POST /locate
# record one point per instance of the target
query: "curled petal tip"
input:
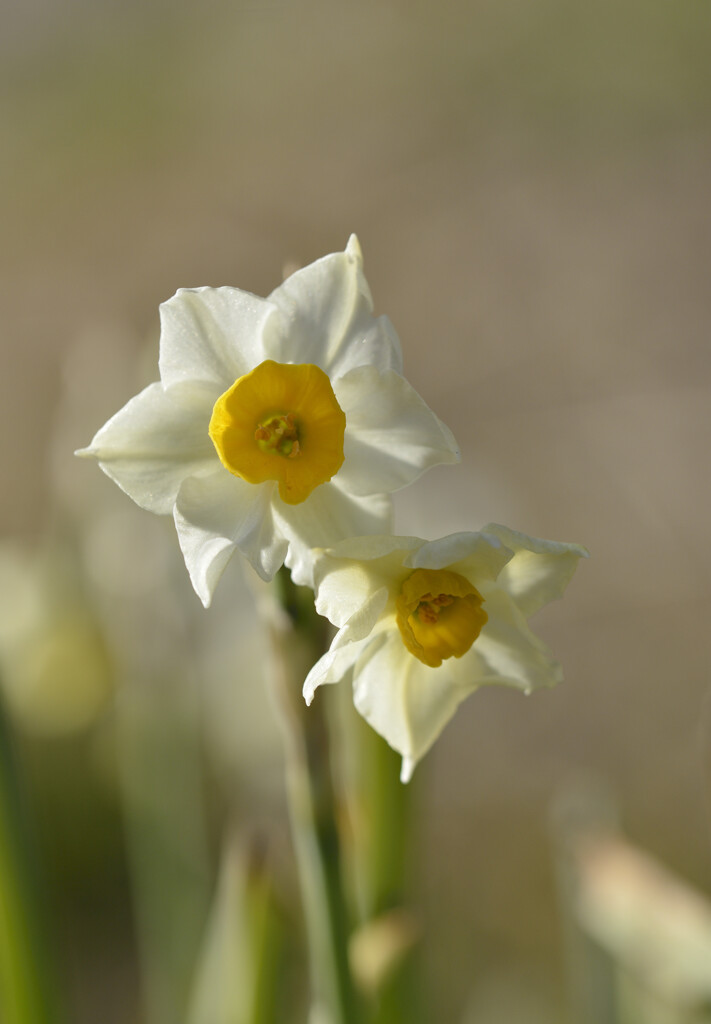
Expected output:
(353, 248)
(450, 441)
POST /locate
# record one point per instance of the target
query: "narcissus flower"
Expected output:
(278, 424)
(424, 624)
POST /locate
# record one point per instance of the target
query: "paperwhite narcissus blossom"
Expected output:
(424, 624)
(278, 424)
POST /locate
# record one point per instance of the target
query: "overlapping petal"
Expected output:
(214, 335)
(327, 515)
(393, 436)
(335, 666)
(406, 701)
(157, 440)
(377, 345)
(540, 570)
(216, 513)
(510, 653)
(481, 555)
(328, 311)
(347, 576)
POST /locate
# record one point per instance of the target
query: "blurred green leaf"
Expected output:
(238, 969)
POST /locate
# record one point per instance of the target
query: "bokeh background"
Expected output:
(531, 187)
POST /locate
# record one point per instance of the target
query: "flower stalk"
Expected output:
(389, 937)
(299, 637)
(27, 985)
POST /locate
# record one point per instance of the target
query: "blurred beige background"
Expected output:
(530, 185)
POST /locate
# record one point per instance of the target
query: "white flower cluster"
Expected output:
(279, 428)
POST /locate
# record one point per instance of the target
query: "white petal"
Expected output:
(509, 652)
(216, 513)
(332, 667)
(477, 556)
(329, 312)
(373, 546)
(362, 622)
(409, 703)
(348, 576)
(406, 701)
(540, 570)
(157, 440)
(213, 334)
(368, 344)
(327, 516)
(392, 436)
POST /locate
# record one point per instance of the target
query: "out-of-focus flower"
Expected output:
(424, 624)
(278, 425)
(56, 674)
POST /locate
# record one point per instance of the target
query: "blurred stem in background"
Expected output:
(240, 969)
(28, 993)
(160, 774)
(299, 638)
(578, 810)
(159, 760)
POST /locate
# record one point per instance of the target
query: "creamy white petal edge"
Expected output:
(404, 700)
(328, 312)
(540, 570)
(157, 447)
(392, 436)
(157, 440)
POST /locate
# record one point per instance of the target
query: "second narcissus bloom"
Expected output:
(424, 624)
(278, 424)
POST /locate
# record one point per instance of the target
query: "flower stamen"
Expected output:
(279, 434)
(429, 607)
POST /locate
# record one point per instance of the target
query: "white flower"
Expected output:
(424, 624)
(278, 424)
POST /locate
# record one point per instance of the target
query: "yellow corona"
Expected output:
(439, 615)
(280, 421)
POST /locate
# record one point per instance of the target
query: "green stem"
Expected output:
(389, 840)
(266, 939)
(299, 638)
(382, 853)
(26, 991)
